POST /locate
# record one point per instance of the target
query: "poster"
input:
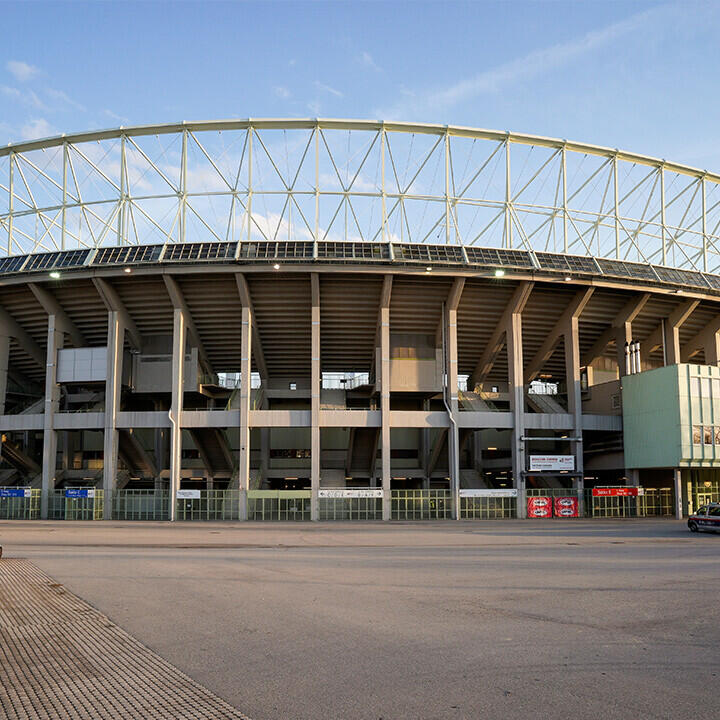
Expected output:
(566, 507)
(539, 507)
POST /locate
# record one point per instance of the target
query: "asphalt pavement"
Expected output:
(488, 619)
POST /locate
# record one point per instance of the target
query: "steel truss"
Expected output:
(338, 180)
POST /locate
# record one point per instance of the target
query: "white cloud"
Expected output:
(63, 101)
(328, 89)
(26, 97)
(21, 71)
(366, 59)
(37, 128)
(314, 108)
(115, 116)
(526, 67)
(281, 92)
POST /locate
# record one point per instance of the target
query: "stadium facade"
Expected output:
(308, 319)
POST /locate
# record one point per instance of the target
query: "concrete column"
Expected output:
(452, 395)
(245, 393)
(52, 402)
(712, 350)
(113, 384)
(264, 453)
(385, 408)
(623, 335)
(178, 384)
(4, 366)
(679, 504)
(672, 343)
(516, 389)
(315, 383)
(572, 378)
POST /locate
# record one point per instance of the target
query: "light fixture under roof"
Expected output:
(499, 272)
(276, 266)
(428, 268)
(568, 278)
(128, 270)
(54, 274)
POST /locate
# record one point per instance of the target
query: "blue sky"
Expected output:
(640, 76)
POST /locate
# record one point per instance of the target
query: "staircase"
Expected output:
(17, 457)
(135, 456)
(214, 451)
(544, 403)
(362, 453)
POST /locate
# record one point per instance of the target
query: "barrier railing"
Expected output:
(279, 505)
(350, 508)
(140, 505)
(209, 505)
(421, 504)
(76, 504)
(487, 508)
(19, 503)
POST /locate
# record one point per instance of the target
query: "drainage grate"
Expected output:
(61, 658)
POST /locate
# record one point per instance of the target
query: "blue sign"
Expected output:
(80, 492)
(14, 492)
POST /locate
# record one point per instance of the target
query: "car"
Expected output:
(706, 517)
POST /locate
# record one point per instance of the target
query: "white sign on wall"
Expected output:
(538, 463)
(350, 493)
(489, 492)
(188, 494)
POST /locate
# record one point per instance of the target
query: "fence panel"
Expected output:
(488, 508)
(64, 507)
(18, 503)
(290, 505)
(211, 505)
(421, 504)
(350, 508)
(140, 505)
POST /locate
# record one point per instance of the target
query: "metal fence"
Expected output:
(211, 505)
(487, 508)
(279, 504)
(140, 505)
(700, 493)
(350, 508)
(20, 507)
(62, 507)
(421, 504)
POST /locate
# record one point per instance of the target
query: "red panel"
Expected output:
(566, 507)
(539, 507)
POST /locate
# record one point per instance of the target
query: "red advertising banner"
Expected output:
(539, 507)
(617, 492)
(566, 507)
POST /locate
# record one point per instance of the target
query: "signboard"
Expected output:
(491, 492)
(566, 507)
(79, 492)
(539, 463)
(618, 492)
(539, 507)
(188, 494)
(350, 493)
(15, 492)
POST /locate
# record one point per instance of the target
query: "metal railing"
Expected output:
(349, 508)
(487, 508)
(421, 504)
(62, 507)
(279, 504)
(211, 505)
(140, 505)
(18, 507)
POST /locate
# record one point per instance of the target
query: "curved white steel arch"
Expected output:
(338, 180)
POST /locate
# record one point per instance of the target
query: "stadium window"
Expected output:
(697, 434)
(717, 436)
(293, 386)
(707, 435)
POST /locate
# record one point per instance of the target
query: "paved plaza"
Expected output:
(514, 619)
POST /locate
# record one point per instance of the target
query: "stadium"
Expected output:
(335, 319)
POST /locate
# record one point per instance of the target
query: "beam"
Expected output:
(245, 395)
(628, 313)
(315, 390)
(257, 349)
(497, 340)
(178, 385)
(573, 310)
(12, 328)
(451, 304)
(701, 339)
(672, 324)
(52, 307)
(113, 303)
(52, 403)
(178, 303)
(113, 387)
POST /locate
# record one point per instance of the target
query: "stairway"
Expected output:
(544, 403)
(362, 452)
(214, 451)
(135, 456)
(17, 457)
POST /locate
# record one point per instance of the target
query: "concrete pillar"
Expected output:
(245, 394)
(385, 408)
(4, 366)
(623, 335)
(52, 402)
(178, 384)
(671, 338)
(712, 350)
(315, 387)
(516, 389)
(679, 504)
(264, 453)
(113, 384)
(572, 377)
(452, 395)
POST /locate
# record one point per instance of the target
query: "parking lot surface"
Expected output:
(553, 619)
